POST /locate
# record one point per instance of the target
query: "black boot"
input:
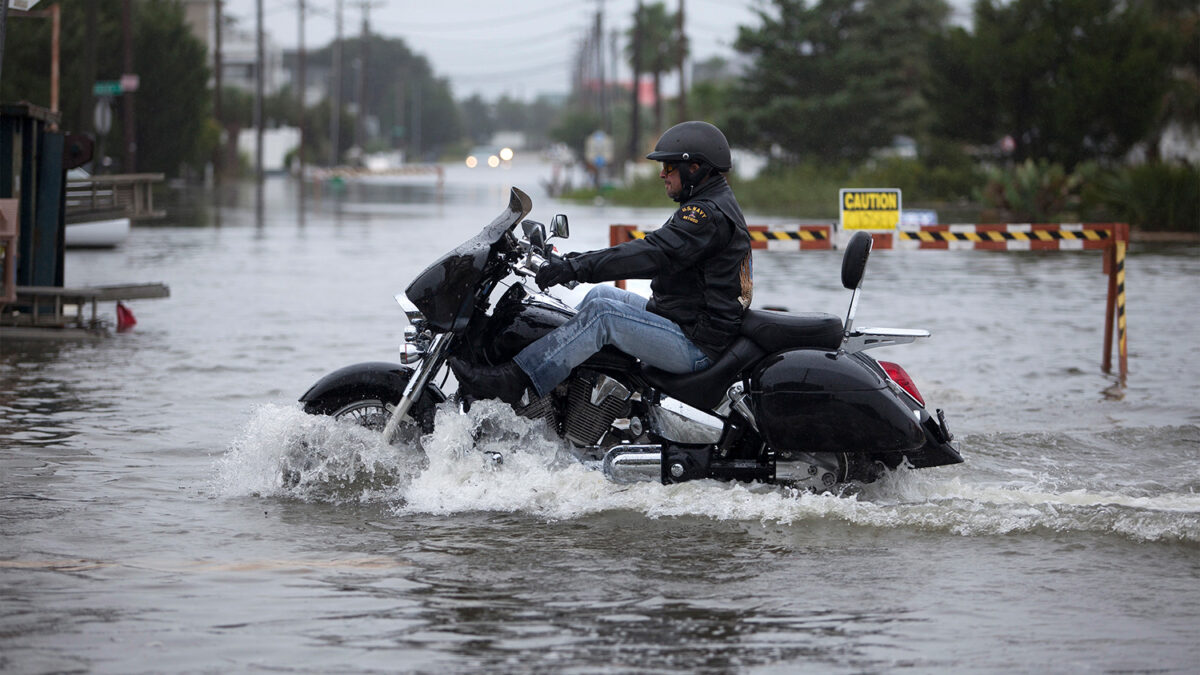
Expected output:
(507, 382)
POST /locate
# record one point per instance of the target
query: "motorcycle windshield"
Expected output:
(444, 292)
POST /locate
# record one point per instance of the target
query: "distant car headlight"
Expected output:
(506, 154)
(493, 161)
(472, 162)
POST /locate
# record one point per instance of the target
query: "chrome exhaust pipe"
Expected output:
(633, 463)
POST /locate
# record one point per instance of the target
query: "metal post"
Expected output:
(682, 48)
(335, 100)
(258, 94)
(3, 31)
(1110, 305)
(300, 89)
(218, 65)
(634, 132)
(55, 31)
(1122, 343)
(1114, 310)
(128, 130)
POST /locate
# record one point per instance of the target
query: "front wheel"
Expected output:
(372, 408)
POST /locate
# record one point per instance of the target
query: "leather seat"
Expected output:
(777, 331)
(705, 389)
(763, 332)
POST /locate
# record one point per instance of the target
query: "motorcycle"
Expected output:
(795, 399)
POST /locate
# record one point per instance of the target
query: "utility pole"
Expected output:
(361, 84)
(258, 95)
(599, 46)
(683, 48)
(613, 50)
(300, 87)
(55, 31)
(130, 133)
(634, 131)
(218, 66)
(362, 78)
(3, 31)
(89, 72)
(335, 96)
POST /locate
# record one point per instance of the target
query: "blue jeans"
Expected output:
(609, 316)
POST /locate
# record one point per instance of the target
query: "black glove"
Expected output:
(555, 272)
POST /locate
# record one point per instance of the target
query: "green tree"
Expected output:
(711, 96)
(172, 104)
(477, 119)
(574, 128)
(837, 79)
(540, 117)
(1181, 104)
(1067, 80)
(401, 93)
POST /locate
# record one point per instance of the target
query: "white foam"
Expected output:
(456, 473)
(283, 451)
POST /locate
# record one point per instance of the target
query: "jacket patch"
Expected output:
(746, 277)
(692, 213)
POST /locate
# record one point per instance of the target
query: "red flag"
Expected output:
(125, 318)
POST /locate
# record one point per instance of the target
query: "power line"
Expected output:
(493, 22)
(536, 69)
(540, 41)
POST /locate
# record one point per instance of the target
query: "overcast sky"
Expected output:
(520, 48)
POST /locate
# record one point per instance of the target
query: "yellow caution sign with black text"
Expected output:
(870, 208)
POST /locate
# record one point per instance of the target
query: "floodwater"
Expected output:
(144, 526)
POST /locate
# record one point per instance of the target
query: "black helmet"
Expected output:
(693, 142)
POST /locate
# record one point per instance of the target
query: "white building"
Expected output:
(239, 50)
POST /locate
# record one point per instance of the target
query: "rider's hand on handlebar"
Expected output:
(556, 271)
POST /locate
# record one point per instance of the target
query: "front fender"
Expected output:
(366, 376)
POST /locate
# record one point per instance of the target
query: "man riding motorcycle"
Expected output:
(699, 264)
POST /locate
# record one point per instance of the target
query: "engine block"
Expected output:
(594, 401)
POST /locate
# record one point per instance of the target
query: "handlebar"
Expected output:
(532, 260)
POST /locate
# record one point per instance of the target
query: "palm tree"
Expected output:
(658, 49)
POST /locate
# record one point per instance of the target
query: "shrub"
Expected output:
(1032, 192)
(1153, 196)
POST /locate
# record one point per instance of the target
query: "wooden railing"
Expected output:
(56, 308)
(118, 195)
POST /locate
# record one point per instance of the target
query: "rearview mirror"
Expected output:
(528, 226)
(537, 236)
(559, 226)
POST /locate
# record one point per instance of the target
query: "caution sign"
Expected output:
(870, 208)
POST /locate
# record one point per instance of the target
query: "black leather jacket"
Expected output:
(699, 263)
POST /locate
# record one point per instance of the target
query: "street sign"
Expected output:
(599, 149)
(102, 117)
(22, 5)
(106, 88)
(870, 208)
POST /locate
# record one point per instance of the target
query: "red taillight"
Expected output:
(901, 378)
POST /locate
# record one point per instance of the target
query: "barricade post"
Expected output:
(1111, 238)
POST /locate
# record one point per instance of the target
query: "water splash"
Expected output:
(284, 452)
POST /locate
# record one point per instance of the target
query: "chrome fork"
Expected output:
(416, 384)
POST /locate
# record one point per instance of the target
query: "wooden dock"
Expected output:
(55, 312)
